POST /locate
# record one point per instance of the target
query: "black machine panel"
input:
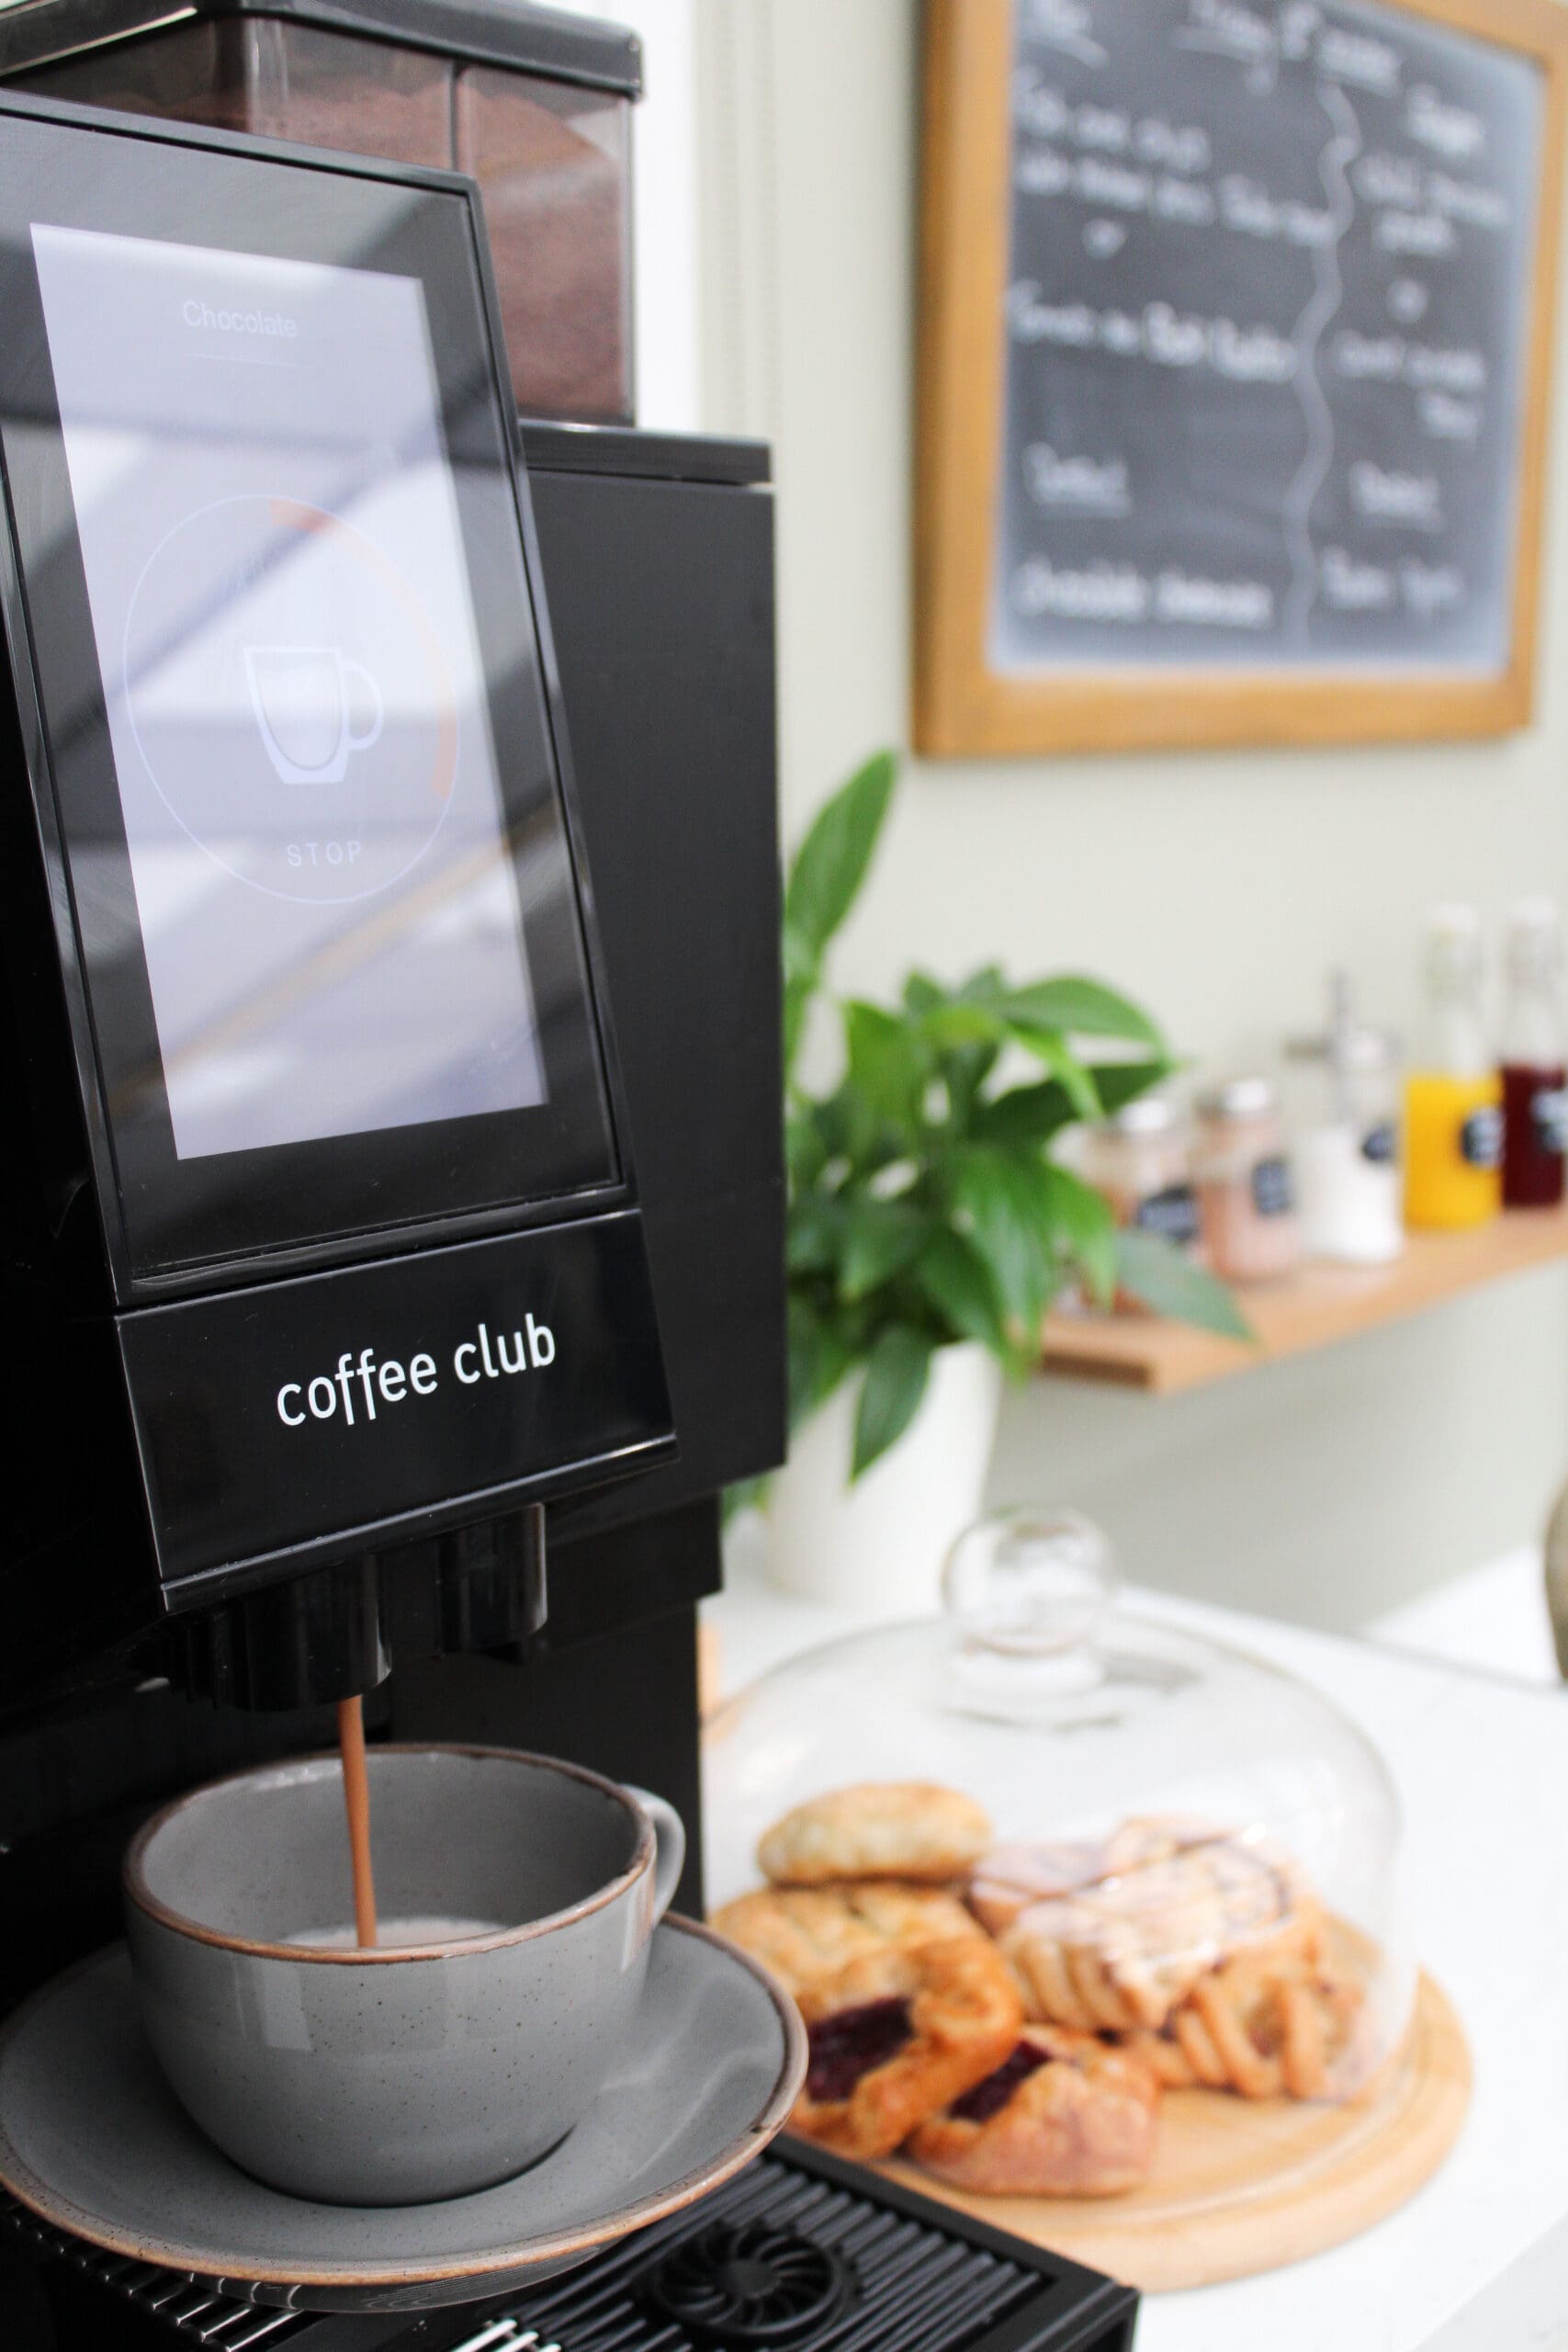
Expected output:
(671, 714)
(451, 1384)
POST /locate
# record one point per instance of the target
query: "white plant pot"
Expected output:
(878, 1547)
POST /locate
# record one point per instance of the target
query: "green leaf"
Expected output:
(1157, 1274)
(921, 994)
(880, 1237)
(806, 1151)
(1082, 1008)
(896, 1372)
(889, 1062)
(801, 961)
(1004, 1200)
(1033, 1115)
(819, 1356)
(1120, 1082)
(815, 1234)
(1048, 1046)
(798, 991)
(947, 1025)
(957, 1282)
(1083, 1219)
(832, 862)
(963, 1071)
(834, 1121)
(1023, 1116)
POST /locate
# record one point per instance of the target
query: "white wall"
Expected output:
(1217, 887)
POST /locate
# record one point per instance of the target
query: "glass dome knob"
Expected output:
(1030, 1582)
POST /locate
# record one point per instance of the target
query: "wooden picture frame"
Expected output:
(962, 704)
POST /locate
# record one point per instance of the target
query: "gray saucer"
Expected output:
(93, 2140)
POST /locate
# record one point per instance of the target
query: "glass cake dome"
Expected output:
(1189, 1849)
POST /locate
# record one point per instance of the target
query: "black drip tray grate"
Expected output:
(187, 2307)
(752, 2284)
(903, 2280)
(801, 2253)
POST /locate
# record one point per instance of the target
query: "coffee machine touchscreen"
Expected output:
(295, 723)
(294, 690)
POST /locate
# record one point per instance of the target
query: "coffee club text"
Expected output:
(361, 1383)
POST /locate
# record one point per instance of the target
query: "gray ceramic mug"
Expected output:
(524, 1894)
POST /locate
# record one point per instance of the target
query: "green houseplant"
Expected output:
(926, 1211)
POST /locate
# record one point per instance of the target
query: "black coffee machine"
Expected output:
(350, 1337)
(352, 1356)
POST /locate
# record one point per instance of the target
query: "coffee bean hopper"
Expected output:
(341, 1001)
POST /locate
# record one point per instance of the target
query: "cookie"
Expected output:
(1275, 2024)
(1062, 2116)
(1160, 2054)
(881, 1829)
(899, 2035)
(805, 1934)
(1119, 1956)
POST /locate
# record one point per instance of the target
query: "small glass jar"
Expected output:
(1141, 1161)
(1245, 1189)
(1346, 1144)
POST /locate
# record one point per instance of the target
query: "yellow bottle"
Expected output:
(1453, 1096)
(1452, 1175)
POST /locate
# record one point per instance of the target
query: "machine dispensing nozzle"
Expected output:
(308, 1643)
(492, 1584)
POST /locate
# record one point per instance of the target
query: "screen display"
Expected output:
(333, 913)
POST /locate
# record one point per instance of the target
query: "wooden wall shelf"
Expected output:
(1309, 1309)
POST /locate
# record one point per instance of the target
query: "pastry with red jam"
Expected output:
(1062, 2116)
(900, 2034)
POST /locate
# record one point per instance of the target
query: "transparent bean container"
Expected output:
(1191, 1853)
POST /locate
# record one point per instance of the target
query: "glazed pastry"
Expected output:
(1012, 1879)
(881, 1829)
(1146, 1838)
(805, 1934)
(1121, 1955)
(899, 2035)
(1062, 2116)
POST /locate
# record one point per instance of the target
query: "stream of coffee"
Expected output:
(357, 1797)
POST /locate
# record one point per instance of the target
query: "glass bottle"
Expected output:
(1139, 1159)
(1245, 1195)
(1453, 1120)
(1535, 1104)
(1346, 1141)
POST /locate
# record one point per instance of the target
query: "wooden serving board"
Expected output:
(1240, 2185)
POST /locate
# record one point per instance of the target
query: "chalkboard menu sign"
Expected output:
(1235, 325)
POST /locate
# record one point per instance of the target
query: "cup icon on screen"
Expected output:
(307, 699)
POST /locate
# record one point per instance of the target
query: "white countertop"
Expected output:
(1481, 1761)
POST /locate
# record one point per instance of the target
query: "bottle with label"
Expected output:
(1346, 1148)
(1141, 1161)
(1453, 1116)
(1246, 1191)
(1535, 1095)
